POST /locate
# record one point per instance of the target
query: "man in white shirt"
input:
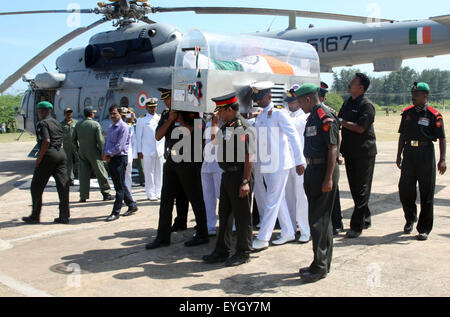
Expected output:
(279, 150)
(296, 199)
(150, 150)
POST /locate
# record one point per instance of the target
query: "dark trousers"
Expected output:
(53, 164)
(117, 167)
(230, 204)
(320, 205)
(336, 214)
(177, 178)
(418, 166)
(182, 205)
(360, 175)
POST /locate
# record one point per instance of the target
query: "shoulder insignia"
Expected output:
(322, 114)
(326, 127)
(279, 107)
(143, 116)
(439, 124)
(327, 120)
(407, 108)
(433, 111)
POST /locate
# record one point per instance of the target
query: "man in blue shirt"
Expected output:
(115, 153)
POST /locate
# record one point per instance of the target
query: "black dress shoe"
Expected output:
(71, 183)
(196, 240)
(130, 211)
(177, 227)
(237, 259)
(61, 220)
(31, 220)
(336, 231)
(352, 234)
(215, 257)
(408, 228)
(367, 225)
(303, 270)
(156, 244)
(82, 200)
(422, 236)
(108, 197)
(311, 277)
(113, 217)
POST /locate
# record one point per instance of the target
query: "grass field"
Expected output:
(12, 137)
(386, 127)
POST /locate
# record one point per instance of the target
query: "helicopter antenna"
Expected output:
(45, 68)
(268, 30)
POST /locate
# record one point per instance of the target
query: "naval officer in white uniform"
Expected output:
(150, 150)
(295, 196)
(279, 150)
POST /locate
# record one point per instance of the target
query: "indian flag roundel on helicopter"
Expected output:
(141, 99)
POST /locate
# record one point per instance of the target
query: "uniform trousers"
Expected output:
(211, 192)
(153, 175)
(259, 191)
(297, 202)
(117, 167)
(275, 206)
(53, 164)
(419, 165)
(181, 177)
(359, 175)
(320, 205)
(128, 176)
(88, 163)
(232, 206)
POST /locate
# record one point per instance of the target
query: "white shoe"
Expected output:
(282, 240)
(304, 239)
(260, 244)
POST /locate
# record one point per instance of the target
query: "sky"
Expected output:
(23, 36)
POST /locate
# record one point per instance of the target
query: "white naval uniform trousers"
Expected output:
(211, 178)
(295, 196)
(153, 152)
(131, 155)
(279, 150)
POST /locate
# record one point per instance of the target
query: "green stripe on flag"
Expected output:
(413, 36)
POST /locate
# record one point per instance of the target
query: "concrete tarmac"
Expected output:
(90, 257)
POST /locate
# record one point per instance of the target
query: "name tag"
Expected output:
(311, 131)
(424, 121)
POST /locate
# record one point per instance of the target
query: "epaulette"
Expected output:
(278, 107)
(407, 108)
(143, 116)
(322, 114)
(434, 111)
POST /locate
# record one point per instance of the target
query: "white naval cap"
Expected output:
(151, 102)
(261, 85)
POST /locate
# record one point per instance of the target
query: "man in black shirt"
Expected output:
(359, 150)
(50, 162)
(421, 125)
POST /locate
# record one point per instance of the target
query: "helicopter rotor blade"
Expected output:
(49, 11)
(45, 53)
(263, 11)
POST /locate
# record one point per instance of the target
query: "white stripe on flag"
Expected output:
(420, 35)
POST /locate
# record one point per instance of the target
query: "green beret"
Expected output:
(306, 89)
(44, 105)
(420, 87)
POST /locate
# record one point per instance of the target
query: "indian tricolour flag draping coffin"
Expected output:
(420, 35)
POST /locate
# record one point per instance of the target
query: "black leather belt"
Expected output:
(231, 169)
(312, 161)
(416, 143)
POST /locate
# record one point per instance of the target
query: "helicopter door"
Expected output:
(68, 98)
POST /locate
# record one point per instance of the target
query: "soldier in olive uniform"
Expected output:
(421, 125)
(89, 141)
(321, 178)
(236, 141)
(50, 162)
(68, 125)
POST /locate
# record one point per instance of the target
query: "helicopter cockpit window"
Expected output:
(124, 102)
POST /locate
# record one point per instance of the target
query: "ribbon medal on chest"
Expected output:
(311, 131)
(424, 121)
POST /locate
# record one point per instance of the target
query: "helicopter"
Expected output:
(125, 66)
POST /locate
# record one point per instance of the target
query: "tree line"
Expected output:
(394, 88)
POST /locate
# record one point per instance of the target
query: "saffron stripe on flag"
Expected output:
(426, 35)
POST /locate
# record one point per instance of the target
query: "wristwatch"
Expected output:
(244, 182)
